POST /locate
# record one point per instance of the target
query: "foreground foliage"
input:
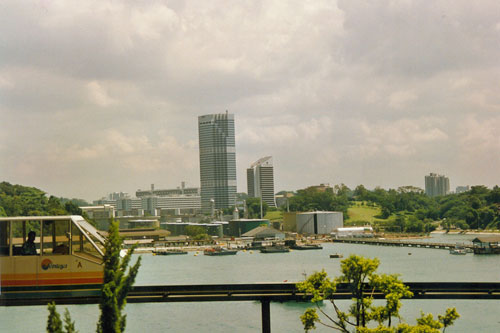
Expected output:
(358, 273)
(116, 286)
(117, 283)
(54, 323)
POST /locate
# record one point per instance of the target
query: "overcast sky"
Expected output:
(103, 96)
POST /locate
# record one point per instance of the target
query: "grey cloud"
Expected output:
(378, 93)
(418, 38)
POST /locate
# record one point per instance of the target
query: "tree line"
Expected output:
(18, 200)
(411, 209)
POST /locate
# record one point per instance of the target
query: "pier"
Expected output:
(399, 242)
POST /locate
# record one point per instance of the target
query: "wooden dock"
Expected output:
(399, 242)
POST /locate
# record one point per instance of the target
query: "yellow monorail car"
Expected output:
(49, 257)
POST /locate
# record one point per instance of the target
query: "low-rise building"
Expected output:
(486, 245)
(262, 232)
(179, 228)
(134, 221)
(101, 215)
(282, 199)
(312, 223)
(353, 232)
(321, 188)
(240, 226)
(462, 189)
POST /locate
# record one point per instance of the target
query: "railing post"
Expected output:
(266, 315)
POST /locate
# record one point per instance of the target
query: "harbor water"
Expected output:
(413, 264)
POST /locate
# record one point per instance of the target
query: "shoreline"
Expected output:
(467, 232)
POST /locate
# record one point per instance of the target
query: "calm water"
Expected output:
(421, 265)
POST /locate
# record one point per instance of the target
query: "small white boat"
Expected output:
(458, 251)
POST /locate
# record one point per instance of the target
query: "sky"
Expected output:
(103, 96)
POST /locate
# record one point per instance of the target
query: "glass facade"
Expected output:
(217, 161)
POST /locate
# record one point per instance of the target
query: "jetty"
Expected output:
(399, 242)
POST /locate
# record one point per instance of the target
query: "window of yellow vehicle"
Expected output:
(55, 237)
(4, 238)
(25, 238)
(81, 244)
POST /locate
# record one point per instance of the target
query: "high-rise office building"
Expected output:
(217, 161)
(462, 189)
(260, 180)
(436, 185)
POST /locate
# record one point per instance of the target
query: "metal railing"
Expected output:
(272, 292)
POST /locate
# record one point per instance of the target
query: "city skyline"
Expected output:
(103, 96)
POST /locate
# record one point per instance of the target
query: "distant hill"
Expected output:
(19, 200)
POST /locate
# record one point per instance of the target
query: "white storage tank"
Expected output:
(319, 223)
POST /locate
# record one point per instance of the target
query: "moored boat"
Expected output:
(292, 244)
(336, 255)
(168, 252)
(306, 247)
(219, 251)
(458, 251)
(275, 249)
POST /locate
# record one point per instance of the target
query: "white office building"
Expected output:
(436, 185)
(260, 180)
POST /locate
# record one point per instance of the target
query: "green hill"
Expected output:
(360, 213)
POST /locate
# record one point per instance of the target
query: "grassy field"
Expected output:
(274, 216)
(362, 213)
(357, 213)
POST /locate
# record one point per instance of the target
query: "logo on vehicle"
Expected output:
(47, 264)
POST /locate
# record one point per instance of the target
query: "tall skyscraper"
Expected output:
(217, 161)
(260, 180)
(436, 185)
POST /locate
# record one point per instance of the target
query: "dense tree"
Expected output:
(193, 230)
(18, 200)
(311, 199)
(54, 323)
(197, 232)
(117, 283)
(359, 274)
(360, 193)
(253, 207)
(494, 196)
(72, 208)
(478, 208)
